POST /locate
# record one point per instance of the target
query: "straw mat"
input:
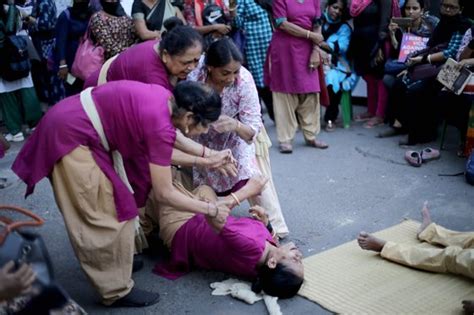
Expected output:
(347, 279)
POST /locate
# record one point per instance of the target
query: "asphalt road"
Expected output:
(328, 196)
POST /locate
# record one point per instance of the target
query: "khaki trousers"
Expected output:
(306, 106)
(103, 245)
(268, 199)
(457, 257)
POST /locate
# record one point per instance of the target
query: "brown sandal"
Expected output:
(286, 148)
(317, 144)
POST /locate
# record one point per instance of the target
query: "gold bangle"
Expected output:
(235, 198)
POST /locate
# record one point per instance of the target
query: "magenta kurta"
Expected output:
(236, 249)
(287, 68)
(138, 63)
(136, 121)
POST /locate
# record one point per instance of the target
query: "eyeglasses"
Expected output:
(449, 7)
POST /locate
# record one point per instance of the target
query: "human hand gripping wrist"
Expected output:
(316, 38)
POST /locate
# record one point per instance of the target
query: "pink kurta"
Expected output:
(287, 68)
(136, 121)
(241, 102)
(236, 249)
(138, 63)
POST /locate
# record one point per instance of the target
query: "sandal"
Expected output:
(317, 144)
(374, 121)
(429, 154)
(413, 158)
(286, 148)
(363, 117)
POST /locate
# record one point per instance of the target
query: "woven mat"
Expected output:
(347, 279)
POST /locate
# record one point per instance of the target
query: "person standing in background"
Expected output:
(291, 71)
(71, 26)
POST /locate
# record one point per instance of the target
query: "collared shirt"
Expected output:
(241, 102)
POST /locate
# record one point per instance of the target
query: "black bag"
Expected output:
(25, 247)
(16, 60)
(424, 71)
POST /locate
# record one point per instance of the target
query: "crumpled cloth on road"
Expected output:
(242, 290)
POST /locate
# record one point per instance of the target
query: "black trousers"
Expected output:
(266, 96)
(332, 111)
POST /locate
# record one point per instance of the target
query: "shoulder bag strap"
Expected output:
(105, 69)
(91, 111)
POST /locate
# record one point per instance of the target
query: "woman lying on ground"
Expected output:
(245, 246)
(239, 128)
(97, 197)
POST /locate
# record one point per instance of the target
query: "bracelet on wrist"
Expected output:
(307, 34)
(234, 196)
(203, 154)
(429, 59)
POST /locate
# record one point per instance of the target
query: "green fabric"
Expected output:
(18, 107)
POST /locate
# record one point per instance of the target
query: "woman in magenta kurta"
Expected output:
(140, 122)
(157, 62)
(291, 70)
(242, 247)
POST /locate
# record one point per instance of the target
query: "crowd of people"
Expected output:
(166, 128)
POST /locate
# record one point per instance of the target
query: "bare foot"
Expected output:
(468, 306)
(425, 214)
(369, 242)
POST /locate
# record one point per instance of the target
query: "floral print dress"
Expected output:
(241, 102)
(113, 33)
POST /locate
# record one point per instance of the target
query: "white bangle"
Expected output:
(429, 59)
(307, 34)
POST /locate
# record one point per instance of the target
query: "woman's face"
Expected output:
(450, 8)
(292, 258)
(335, 10)
(188, 126)
(197, 129)
(413, 9)
(225, 75)
(181, 65)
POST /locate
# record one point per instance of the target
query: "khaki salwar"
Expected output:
(268, 199)
(103, 245)
(457, 257)
(287, 106)
(167, 217)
